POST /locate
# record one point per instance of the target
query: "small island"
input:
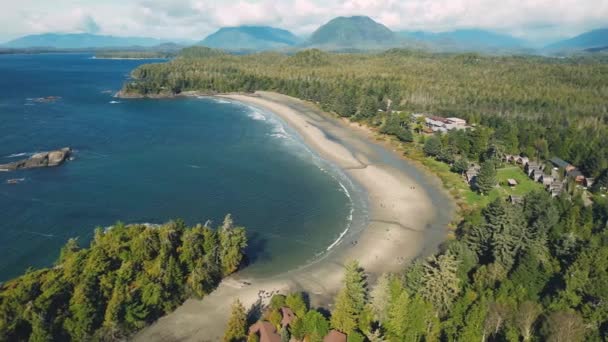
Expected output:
(38, 160)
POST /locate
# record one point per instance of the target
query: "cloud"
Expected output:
(194, 19)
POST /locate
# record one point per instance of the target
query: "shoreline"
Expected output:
(405, 222)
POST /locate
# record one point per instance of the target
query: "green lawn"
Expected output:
(458, 187)
(524, 186)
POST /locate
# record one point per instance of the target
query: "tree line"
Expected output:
(531, 272)
(536, 106)
(129, 276)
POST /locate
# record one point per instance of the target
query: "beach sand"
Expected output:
(401, 214)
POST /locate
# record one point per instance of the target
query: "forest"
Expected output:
(129, 276)
(531, 272)
(539, 107)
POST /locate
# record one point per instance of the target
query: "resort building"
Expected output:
(440, 124)
(265, 331)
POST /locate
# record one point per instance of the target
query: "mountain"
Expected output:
(255, 38)
(78, 41)
(467, 40)
(592, 39)
(358, 32)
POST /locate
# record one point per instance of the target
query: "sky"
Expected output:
(535, 20)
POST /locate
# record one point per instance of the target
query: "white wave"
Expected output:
(339, 239)
(345, 191)
(40, 234)
(194, 166)
(221, 101)
(114, 102)
(255, 115)
(18, 155)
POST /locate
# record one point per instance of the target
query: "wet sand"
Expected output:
(408, 217)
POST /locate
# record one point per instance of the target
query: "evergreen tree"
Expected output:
(486, 179)
(296, 303)
(315, 326)
(380, 298)
(232, 242)
(350, 300)
(237, 324)
(432, 146)
(460, 165)
(440, 282)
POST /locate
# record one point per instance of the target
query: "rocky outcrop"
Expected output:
(42, 159)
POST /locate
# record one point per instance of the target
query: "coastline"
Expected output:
(404, 223)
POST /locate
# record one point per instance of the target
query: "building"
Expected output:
(555, 188)
(562, 164)
(265, 331)
(441, 124)
(577, 175)
(511, 182)
(458, 122)
(589, 182)
(288, 316)
(546, 180)
(472, 173)
(335, 336)
(522, 160)
(508, 158)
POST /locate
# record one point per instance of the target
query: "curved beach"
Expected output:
(408, 217)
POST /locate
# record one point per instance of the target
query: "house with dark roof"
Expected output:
(559, 163)
(577, 175)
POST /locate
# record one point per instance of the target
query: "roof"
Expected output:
(440, 119)
(575, 173)
(559, 162)
(335, 336)
(511, 181)
(267, 332)
(288, 316)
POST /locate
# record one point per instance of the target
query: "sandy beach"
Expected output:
(406, 220)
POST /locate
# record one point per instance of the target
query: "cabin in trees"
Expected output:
(266, 332)
(562, 164)
(472, 173)
(570, 170)
(516, 199)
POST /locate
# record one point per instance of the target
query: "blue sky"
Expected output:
(536, 20)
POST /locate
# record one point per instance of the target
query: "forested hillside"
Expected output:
(127, 278)
(545, 107)
(532, 272)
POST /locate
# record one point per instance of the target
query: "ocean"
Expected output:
(151, 161)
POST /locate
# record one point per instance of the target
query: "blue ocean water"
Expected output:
(152, 161)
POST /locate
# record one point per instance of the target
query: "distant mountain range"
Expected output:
(253, 38)
(467, 40)
(588, 40)
(339, 34)
(79, 41)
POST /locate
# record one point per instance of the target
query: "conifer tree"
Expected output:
(237, 324)
(350, 300)
(486, 179)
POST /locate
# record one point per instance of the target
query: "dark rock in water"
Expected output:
(42, 159)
